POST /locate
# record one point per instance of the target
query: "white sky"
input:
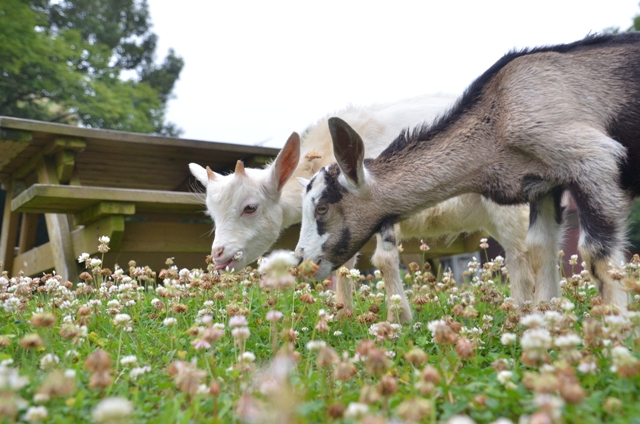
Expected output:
(257, 70)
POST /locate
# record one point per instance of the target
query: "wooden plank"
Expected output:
(48, 198)
(65, 164)
(28, 229)
(9, 234)
(9, 149)
(64, 143)
(133, 138)
(35, 261)
(58, 229)
(103, 209)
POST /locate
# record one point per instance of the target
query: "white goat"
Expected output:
(251, 206)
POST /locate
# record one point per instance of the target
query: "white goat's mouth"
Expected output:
(229, 264)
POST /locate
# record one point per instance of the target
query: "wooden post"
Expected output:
(58, 228)
(28, 228)
(9, 234)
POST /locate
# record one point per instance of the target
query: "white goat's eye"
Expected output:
(249, 209)
(321, 209)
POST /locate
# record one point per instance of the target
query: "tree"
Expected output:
(88, 62)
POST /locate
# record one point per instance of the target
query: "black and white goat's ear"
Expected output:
(286, 162)
(203, 175)
(348, 150)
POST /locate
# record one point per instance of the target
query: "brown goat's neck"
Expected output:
(416, 178)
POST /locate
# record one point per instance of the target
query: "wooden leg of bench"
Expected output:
(58, 229)
(9, 235)
(28, 228)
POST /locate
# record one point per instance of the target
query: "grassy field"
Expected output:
(180, 346)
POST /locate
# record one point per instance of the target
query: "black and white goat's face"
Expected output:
(333, 198)
(245, 207)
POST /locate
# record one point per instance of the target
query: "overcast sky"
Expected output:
(257, 70)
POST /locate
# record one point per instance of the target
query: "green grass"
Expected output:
(403, 374)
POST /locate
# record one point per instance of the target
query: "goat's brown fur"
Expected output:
(537, 123)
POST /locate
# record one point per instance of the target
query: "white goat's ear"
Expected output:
(201, 174)
(303, 181)
(285, 163)
(348, 150)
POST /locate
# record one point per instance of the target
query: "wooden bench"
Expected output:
(155, 221)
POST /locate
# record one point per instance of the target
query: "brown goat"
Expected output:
(538, 123)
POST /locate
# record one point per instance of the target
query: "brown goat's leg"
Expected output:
(387, 259)
(602, 234)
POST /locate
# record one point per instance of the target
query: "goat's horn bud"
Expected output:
(240, 168)
(211, 174)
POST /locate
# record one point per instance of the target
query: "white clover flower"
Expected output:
(83, 257)
(573, 260)
(104, 240)
(434, 325)
(356, 410)
(567, 341)
(551, 403)
(377, 274)
(238, 321)
(536, 338)
(35, 414)
(138, 371)
(95, 262)
(11, 380)
(337, 333)
(49, 361)
(588, 367)
(315, 345)
(396, 299)
(70, 373)
(112, 410)
(274, 316)
(41, 398)
(504, 377)
(169, 322)
(354, 273)
(508, 339)
(247, 358)
(461, 419)
(128, 360)
(240, 333)
(532, 320)
(279, 261)
(122, 320)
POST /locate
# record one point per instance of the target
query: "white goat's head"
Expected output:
(245, 206)
(338, 213)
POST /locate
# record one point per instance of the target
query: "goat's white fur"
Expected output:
(377, 124)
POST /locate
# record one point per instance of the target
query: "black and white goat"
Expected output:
(539, 122)
(251, 206)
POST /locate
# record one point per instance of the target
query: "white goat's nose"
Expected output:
(217, 252)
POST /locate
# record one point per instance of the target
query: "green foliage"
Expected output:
(86, 62)
(285, 379)
(634, 227)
